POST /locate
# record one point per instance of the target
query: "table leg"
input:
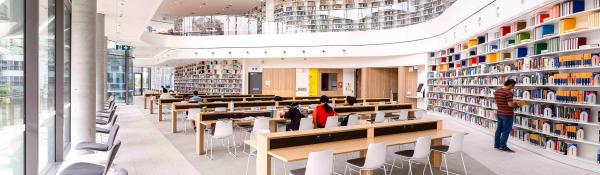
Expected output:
(145, 102)
(200, 139)
(160, 112)
(173, 121)
(436, 157)
(263, 159)
(273, 126)
(151, 106)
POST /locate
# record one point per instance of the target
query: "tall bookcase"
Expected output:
(553, 54)
(210, 77)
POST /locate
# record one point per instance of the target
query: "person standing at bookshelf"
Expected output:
(505, 114)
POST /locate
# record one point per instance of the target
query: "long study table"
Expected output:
(296, 145)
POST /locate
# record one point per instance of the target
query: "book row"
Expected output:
(557, 112)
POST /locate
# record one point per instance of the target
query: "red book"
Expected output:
(542, 17)
(580, 41)
(505, 30)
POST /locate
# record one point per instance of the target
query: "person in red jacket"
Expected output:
(322, 111)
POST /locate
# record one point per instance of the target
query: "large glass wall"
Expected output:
(119, 77)
(47, 84)
(12, 125)
(67, 79)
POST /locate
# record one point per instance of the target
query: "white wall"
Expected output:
(302, 82)
(348, 81)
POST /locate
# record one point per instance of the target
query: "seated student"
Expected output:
(322, 111)
(165, 94)
(350, 100)
(196, 98)
(295, 113)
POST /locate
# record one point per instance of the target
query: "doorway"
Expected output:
(254, 82)
(139, 85)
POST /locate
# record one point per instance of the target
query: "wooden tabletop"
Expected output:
(301, 152)
(239, 122)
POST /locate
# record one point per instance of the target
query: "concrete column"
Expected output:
(100, 62)
(83, 77)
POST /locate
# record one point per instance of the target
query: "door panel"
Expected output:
(254, 82)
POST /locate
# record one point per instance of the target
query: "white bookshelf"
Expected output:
(463, 77)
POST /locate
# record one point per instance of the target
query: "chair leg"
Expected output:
(234, 146)
(346, 169)
(428, 163)
(384, 170)
(445, 164)
(393, 164)
(247, 164)
(410, 168)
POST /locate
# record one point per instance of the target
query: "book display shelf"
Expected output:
(210, 77)
(553, 54)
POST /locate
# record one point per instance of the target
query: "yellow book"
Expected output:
(472, 43)
(492, 58)
(567, 24)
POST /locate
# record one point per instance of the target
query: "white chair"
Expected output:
(403, 115)
(352, 120)
(253, 150)
(306, 124)
(223, 130)
(420, 153)
(379, 117)
(191, 116)
(319, 163)
(260, 124)
(332, 122)
(455, 147)
(419, 114)
(375, 159)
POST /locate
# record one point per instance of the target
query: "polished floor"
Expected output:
(149, 148)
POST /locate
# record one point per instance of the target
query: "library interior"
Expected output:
(299, 87)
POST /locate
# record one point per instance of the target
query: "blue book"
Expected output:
(578, 5)
(493, 47)
(547, 30)
(521, 52)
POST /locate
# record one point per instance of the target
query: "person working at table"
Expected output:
(165, 94)
(322, 111)
(295, 114)
(196, 98)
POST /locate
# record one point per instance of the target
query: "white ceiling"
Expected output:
(205, 7)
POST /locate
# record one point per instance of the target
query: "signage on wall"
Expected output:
(123, 47)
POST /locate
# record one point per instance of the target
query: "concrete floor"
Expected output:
(149, 148)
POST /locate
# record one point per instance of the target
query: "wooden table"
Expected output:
(301, 152)
(162, 102)
(146, 95)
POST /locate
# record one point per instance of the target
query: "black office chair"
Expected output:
(82, 168)
(93, 146)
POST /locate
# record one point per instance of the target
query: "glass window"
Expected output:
(67, 79)
(47, 82)
(12, 106)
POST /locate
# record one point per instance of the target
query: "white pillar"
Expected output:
(100, 62)
(83, 77)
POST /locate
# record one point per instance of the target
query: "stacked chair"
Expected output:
(105, 124)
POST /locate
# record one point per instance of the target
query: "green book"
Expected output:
(523, 37)
(538, 48)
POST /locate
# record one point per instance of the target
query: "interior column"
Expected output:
(100, 62)
(83, 87)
